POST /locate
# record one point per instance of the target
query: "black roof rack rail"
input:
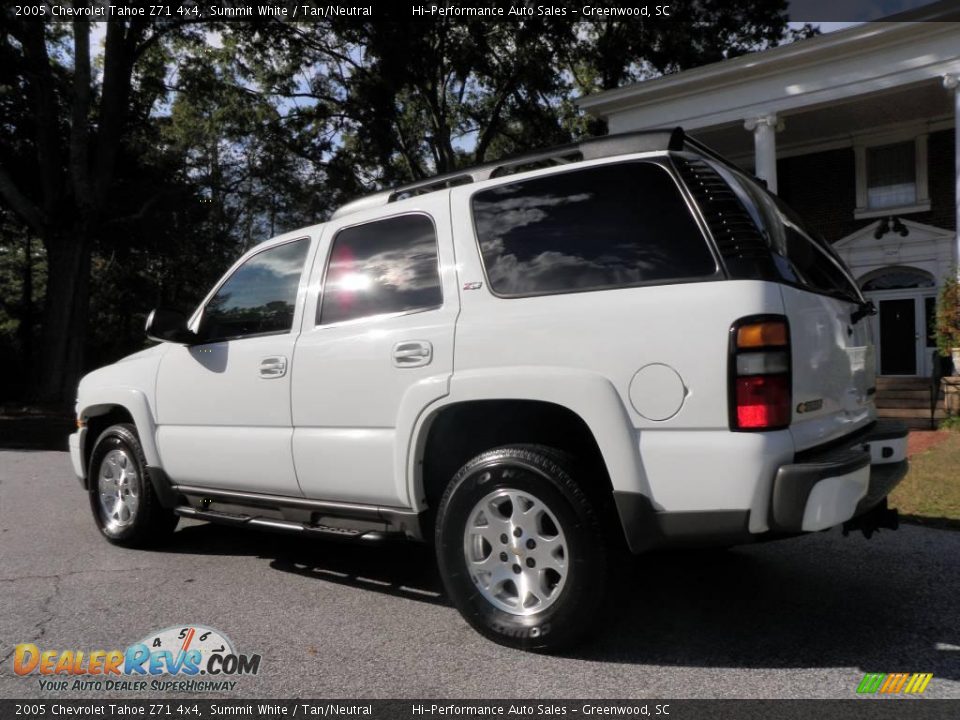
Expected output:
(589, 149)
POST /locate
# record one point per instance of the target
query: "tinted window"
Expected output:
(814, 269)
(800, 255)
(259, 297)
(387, 266)
(602, 227)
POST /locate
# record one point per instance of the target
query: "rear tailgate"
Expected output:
(833, 367)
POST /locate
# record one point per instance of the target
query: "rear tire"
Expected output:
(520, 549)
(124, 504)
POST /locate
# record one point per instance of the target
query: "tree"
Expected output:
(618, 51)
(59, 180)
(415, 98)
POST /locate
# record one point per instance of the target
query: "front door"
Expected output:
(223, 403)
(898, 337)
(903, 328)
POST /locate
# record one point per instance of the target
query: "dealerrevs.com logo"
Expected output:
(198, 658)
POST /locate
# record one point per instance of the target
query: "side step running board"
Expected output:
(280, 525)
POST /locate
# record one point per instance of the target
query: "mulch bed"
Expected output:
(922, 440)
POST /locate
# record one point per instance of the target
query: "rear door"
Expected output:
(376, 349)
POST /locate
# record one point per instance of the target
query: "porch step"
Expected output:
(923, 395)
(907, 399)
(918, 424)
(885, 402)
(892, 382)
(904, 413)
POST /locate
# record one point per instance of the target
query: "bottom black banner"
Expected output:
(860, 709)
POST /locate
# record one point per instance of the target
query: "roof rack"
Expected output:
(589, 149)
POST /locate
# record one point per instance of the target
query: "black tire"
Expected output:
(149, 524)
(528, 473)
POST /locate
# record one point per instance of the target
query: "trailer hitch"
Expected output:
(876, 518)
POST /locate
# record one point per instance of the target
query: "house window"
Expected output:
(892, 177)
(896, 278)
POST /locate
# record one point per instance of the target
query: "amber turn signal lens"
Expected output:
(772, 333)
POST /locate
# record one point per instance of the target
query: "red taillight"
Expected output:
(760, 378)
(763, 401)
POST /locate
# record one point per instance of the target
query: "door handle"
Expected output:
(412, 353)
(273, 367)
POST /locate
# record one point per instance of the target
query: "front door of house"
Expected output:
(902, 328)
(898, 342)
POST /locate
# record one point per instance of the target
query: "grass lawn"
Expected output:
(930, 494)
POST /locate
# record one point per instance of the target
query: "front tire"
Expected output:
(520, 548)
(124, 504)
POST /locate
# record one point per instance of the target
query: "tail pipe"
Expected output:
(875, 519)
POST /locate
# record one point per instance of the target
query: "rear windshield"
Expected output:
(801, 256)
(601, 227)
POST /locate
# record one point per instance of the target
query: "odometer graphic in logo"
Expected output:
(189, 650)
(198, 643)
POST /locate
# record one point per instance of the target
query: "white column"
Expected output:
(950, 82)
(764, 130)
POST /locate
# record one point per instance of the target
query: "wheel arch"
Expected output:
(581, 412)
(106, 408)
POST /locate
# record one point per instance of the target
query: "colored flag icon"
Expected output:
(894, 683)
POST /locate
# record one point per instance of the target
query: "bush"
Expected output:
(948, 316)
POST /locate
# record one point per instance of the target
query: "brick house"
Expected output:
(857, 130)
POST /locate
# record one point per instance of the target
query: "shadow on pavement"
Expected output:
(820, 601)
(398, 568)
(23, 428)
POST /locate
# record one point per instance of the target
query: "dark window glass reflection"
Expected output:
(895, 279)
(602, 227)
(387, 266)
(259, 297)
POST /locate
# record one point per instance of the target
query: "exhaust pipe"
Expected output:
(875, 519)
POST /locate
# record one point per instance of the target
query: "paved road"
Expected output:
(801, 618)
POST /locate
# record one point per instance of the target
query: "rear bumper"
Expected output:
(821, 488)
(824, 487)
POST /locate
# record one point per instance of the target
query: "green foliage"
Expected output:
(947, 321)
(211, 137)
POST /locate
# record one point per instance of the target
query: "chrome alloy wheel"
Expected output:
(119, 490)
(516, 552)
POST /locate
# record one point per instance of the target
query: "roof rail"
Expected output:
(589, 149)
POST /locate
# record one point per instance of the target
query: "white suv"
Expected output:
(622, 343)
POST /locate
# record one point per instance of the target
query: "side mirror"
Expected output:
(169, 326)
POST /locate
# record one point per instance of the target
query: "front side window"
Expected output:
(259, 298)
(602, 227)
(383, 267)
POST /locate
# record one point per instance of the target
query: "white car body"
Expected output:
(347, 421)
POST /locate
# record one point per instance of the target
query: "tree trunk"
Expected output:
(25, 328)
(64, 315)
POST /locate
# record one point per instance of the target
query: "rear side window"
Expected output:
(602, 227)
(799, 255)
(387, 266)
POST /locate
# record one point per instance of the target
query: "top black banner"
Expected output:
(812, 11)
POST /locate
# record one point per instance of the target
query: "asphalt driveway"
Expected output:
(800, 618)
